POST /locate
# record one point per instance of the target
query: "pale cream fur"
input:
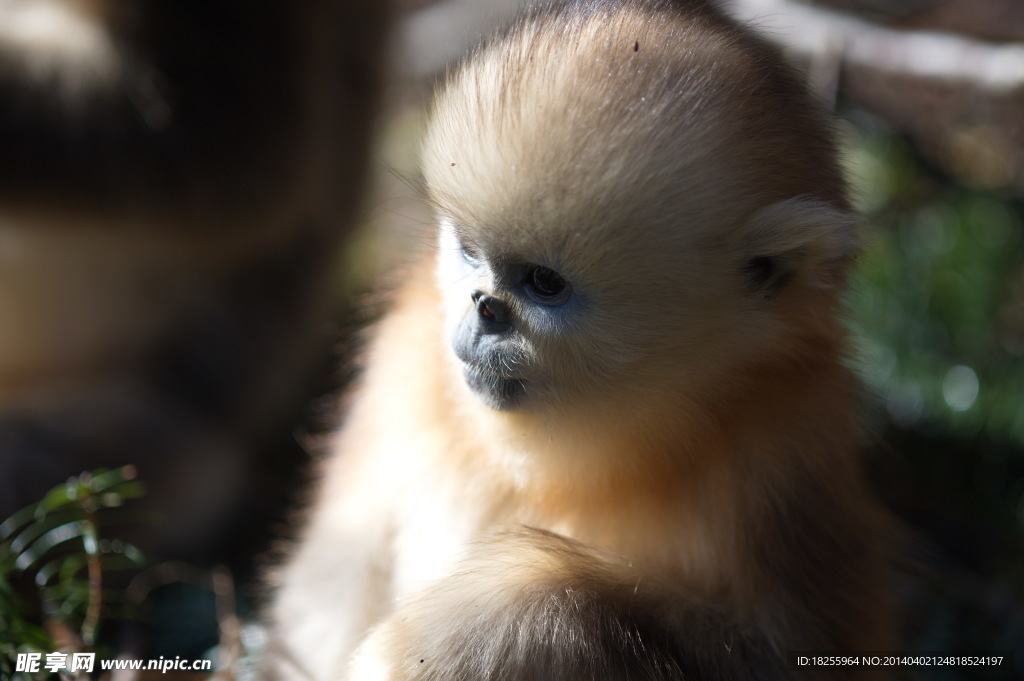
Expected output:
(687, 473)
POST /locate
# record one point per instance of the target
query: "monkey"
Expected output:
(176, 180)
(606, 429)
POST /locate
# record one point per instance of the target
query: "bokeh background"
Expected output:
(929, 96)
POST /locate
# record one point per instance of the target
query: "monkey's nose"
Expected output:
(490, 308)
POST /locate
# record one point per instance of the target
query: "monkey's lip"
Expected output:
(495, 390)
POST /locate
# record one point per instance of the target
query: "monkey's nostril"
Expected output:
(481, 306)
(491, 308)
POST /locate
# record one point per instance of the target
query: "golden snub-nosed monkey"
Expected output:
(605, 430)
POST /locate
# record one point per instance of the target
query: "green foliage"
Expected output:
(937, 307)
(939, 296)
(55, 548)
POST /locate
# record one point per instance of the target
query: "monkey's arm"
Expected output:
(339, 574)
(535, 605)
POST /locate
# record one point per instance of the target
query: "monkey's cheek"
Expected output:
(497, 392)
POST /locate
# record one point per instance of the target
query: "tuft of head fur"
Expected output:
(671, 167)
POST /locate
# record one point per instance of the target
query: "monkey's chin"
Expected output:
(497, 392)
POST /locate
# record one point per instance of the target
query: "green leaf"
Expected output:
(105, 481)
(53, 538)
(60, 497)
(31, 532)
(18, 520)
(65, 568)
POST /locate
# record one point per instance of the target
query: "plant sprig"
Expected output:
(57, 543)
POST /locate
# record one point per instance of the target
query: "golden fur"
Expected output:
(678, 494)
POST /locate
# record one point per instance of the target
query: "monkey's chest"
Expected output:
(435, 533)
(428, 544)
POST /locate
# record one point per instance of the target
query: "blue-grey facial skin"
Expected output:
(493, 363)
(526, 303)
(502, 394)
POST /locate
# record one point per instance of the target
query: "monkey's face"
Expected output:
(500, 308)
(545, 317)
(566, 307)
(624, 226)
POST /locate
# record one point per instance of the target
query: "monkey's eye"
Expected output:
(546, 286)
(469, 255)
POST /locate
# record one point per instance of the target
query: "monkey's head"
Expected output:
(630, 209)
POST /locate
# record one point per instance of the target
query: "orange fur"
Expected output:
(680, 496)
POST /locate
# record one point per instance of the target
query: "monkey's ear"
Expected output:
(799, 237)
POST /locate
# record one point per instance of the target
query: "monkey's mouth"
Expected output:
(496, 391)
